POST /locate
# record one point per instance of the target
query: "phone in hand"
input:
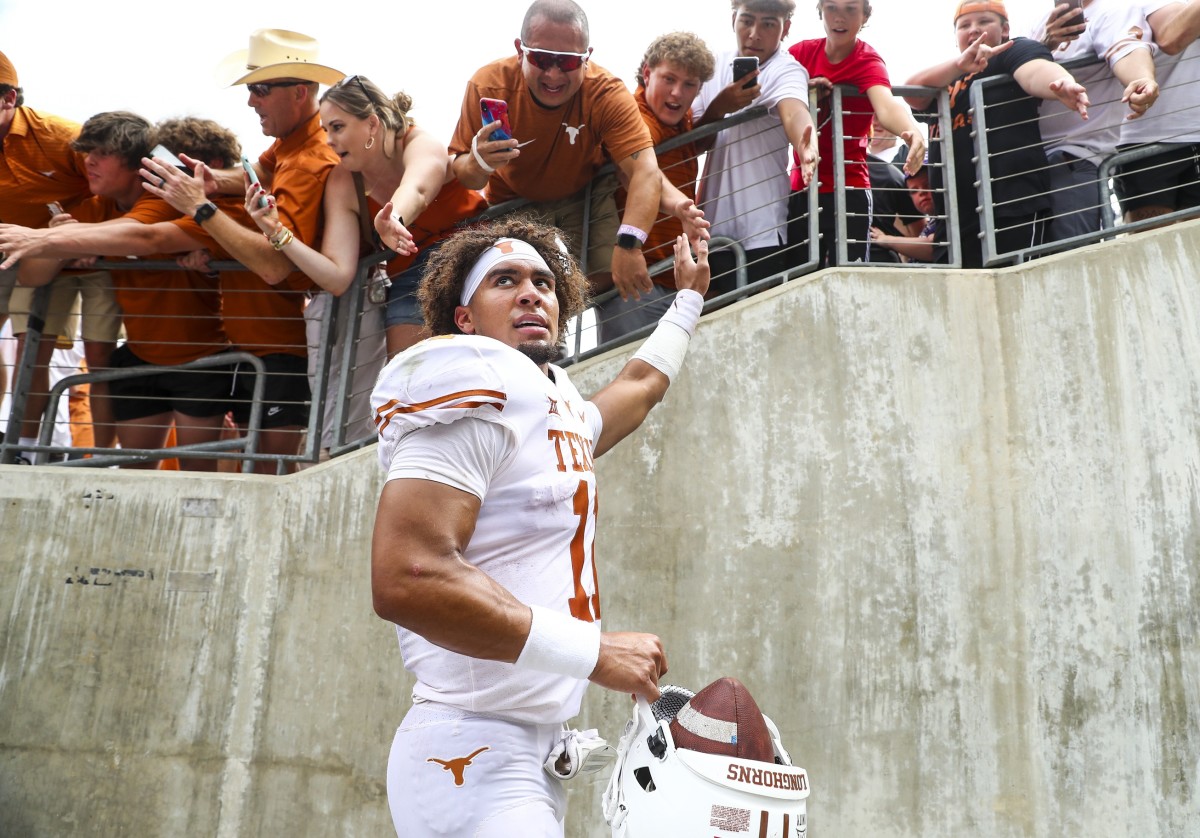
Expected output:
(493, 110)
(1071, 4)
(744, 66)
(253, 175)
(161, 152)
(55, 208)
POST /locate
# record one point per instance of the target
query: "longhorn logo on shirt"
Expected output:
(1136, 32)
(458, 765)
(573, 132)
(553, 407)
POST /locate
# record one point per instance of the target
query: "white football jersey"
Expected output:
(473, 413)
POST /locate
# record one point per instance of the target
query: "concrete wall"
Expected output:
(945, 526)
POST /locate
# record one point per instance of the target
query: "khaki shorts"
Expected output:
(567, 215)
(97, 303)
(7, 280)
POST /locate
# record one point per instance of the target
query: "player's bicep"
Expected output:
(422, 528)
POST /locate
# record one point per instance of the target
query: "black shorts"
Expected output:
(199, 393)
(1170, 179)
(286, 394)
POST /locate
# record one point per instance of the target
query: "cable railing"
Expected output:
(1099, 132)
(344, 343)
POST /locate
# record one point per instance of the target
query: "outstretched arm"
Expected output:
(118, 237)
(1048, 80)
(801, 133)
(640, 170)
(895, 116)
(187, 194)
(333, 266)
(641, 384)
(426, 170)
(1136, 72)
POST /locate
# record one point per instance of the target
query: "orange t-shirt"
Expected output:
(38, 166)
(171, 317)
(681, 166)
(454, 203)
(299, 164)
(569, 142)
(259, 318)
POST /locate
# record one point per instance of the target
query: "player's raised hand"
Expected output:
(692, 273)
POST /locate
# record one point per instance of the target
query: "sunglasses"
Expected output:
(545, 59)
(262, 88)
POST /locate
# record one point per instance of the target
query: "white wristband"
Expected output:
(479, 157)
(666, 346)
(561, 644)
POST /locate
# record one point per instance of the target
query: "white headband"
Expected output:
(504, 250)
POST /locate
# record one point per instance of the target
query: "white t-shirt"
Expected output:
(472, 413)
(1115, 28)
(744, 187)
(1175, 117)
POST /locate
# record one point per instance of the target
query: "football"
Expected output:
(723, 719)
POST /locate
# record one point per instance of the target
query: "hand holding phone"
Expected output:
(744, 66)
(253, 175)
(496, 110)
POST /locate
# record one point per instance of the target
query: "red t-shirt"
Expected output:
(863, 68)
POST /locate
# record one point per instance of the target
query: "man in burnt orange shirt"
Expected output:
(37, 168)
(282, 75)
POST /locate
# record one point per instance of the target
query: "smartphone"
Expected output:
(253, 175)
(1071, 4)
(161, 152)
(494, 110)
(55, 208)
(743, 67)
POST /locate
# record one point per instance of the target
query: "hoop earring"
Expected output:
(370, 142)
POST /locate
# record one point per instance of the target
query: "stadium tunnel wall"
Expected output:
(944, 525)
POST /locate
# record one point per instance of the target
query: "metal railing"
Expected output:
(342, 332)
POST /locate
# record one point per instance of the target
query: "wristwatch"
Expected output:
(629, 241)
(204, 212)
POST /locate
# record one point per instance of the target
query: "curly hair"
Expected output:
(784, 8)
(200, 139)
(446, 271)
(120, 133)
(360, 97)
(684, 50)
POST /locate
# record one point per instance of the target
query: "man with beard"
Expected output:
(483, 546)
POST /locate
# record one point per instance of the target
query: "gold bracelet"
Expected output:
(281, 239)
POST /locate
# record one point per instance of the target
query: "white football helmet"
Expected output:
(657, 789)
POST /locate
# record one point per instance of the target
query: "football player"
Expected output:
(483, 546)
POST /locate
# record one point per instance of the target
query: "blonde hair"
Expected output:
(684, 50)
(361, 98)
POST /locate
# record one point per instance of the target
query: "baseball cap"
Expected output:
(8, 73)
(968, 6)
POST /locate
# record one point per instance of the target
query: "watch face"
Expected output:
(205, 212)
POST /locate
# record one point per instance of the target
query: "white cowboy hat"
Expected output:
(277, 54)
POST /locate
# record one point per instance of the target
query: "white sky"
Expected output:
(76, 59)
